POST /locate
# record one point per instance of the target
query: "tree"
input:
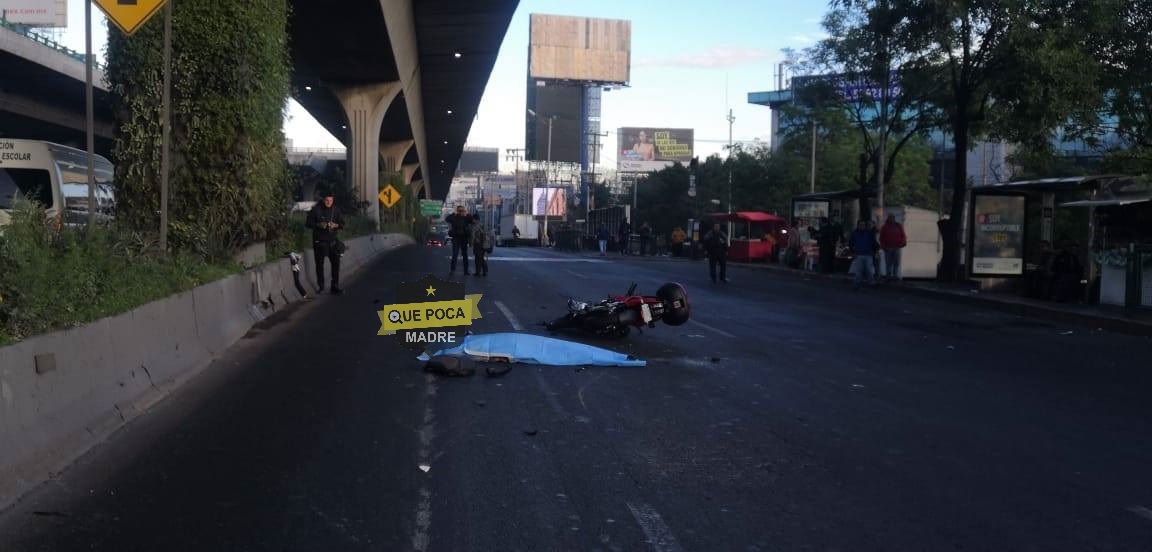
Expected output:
(1117, 33)
(863, 70)
(1013, 70)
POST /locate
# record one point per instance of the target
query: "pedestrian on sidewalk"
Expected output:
(624, 231)
(326, 220)
(645, 235)
(828, 236)
(716, 244)
(892, 241)
(792, 251)
(602, 235)
(459, 224)
(678, 237)
(481, 242)
(864, 248)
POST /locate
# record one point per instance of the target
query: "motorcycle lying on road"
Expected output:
(618, 314)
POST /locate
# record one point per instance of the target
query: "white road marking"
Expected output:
(576, 274)
(420, 535)
(658, 533)
(714, 329)
(551, 397)
(543, 259)
(511, 317)
(1141, 511)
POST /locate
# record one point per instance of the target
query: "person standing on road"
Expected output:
(892, 241)
(864, 247)
(325, 220)
(602, 235)
(481, 241)
(624, 231)
(458, 226)
(716, 244)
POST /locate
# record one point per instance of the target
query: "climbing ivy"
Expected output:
(228, 185)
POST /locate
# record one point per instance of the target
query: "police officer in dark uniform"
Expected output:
(325, 220)
(459, 224)
(716, 244)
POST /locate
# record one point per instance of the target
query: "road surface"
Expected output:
(788, 415)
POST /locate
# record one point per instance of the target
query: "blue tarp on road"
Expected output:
(536, 349)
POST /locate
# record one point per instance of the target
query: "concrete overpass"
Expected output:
(42, 92)
(383, 76)
(397, 81)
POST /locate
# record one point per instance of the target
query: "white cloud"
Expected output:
(717, 56)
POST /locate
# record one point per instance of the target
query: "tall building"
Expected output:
(571, 61)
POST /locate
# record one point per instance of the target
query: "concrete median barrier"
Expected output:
(63, 392)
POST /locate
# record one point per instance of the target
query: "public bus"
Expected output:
(54, 176)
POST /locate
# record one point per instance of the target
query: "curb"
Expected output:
(1118, 324)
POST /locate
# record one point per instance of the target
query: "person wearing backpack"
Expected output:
(481, 244)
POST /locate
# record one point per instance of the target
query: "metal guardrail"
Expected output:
(28, 33)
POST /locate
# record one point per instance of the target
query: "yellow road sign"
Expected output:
(389, 196)
(130, 15)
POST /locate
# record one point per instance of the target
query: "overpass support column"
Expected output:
(393, 154)
(364, 107)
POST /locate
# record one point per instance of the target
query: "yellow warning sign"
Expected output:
(389, 196)
(130, 15)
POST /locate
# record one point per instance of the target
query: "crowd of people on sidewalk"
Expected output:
(875, 253)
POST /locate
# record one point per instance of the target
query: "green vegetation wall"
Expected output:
(229, 185)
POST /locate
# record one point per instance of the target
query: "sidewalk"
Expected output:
(1138, 322)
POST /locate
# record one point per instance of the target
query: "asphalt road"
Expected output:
(788, 415)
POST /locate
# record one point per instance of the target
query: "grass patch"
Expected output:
(58, 279)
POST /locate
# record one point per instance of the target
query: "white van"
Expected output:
(55, 176)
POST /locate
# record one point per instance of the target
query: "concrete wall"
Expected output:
(62, 393)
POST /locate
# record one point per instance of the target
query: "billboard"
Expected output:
(562, 105)
(652, 149)
(36, 13)
(579, 48)
(551, 202)
(998, 235)
(478, 160)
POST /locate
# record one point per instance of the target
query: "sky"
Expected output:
(692, 60)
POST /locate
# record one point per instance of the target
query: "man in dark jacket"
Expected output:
(623, 233)
(716, 244)
(325, 220)
(458, 229)
(864, 248)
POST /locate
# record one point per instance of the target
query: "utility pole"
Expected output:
(165, 155)
(90, 116)
(548, 185)
(516, 155)
(592, 176)
(731, 163)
